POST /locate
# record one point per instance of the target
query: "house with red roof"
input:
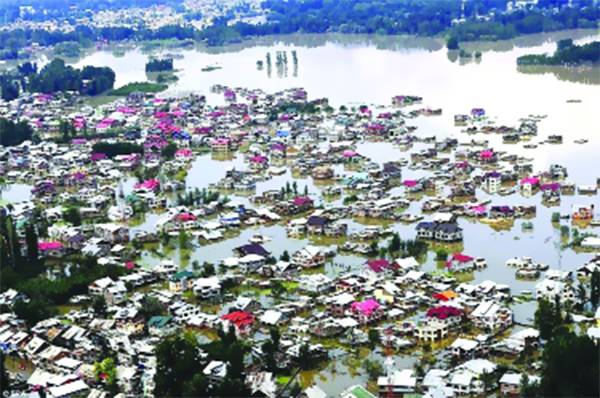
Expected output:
(460, 263)
(241, 320)
(438, 323)
(378, 265)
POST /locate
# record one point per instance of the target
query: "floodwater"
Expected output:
(371, 70)
(352, 70)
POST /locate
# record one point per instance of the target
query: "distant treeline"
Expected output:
(387, 17)
(12, 42)
(418, 17)
(159, 65)
(566, 53)
(56, 77)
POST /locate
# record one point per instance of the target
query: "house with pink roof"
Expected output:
(303, 203)
(529, 185)
(220, 144)
(96, 156)
(350, 155)
(258, 162)
(367, 311)
(476, 210)
(126, 110)
(229, 95)
(79, 122)
(184, 153)
(51, 249)
(487, 156)
(105, 124)
(151, 185)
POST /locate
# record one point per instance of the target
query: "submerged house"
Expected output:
(308, 257)
(491, 316)
(440, 231)
(460, 263)
(439, 322)
(367, 311)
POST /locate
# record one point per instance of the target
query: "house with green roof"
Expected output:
(180, 281)
(357, 391)
(161, 325)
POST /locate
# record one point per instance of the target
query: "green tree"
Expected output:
(168, 152)
(545, 319)
(177, 361)
(72, 215)
(106, 372)
(4, 380)
(208, 269)
(570, 366)
(441, 255)
(373, 368)
(527, 388)
(150, 306)
(184, 239)
(452, 43)
(394, 245)
(196, 387)
(33, 311)
(277, 288)
(374, 337)
(595, 288)
(31, 240)
(98, 305)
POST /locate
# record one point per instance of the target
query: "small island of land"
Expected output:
(142, 87)
(159, 65)
(566, 53)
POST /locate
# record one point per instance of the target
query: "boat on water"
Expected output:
(259, 238)
(528, 273)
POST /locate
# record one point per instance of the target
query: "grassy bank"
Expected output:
(143, 87)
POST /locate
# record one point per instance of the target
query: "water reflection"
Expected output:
(583, 74)
(533, 40)
(394, 43)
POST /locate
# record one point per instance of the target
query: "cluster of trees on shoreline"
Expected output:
(566, 53)
(56, 76)
(159, 65)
